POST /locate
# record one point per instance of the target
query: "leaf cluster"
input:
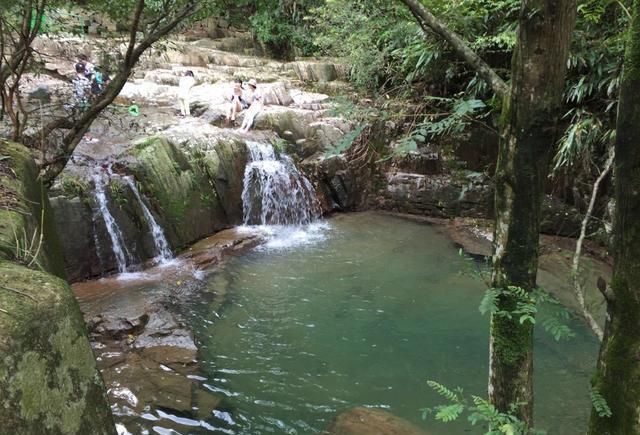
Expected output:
(480, 411)
(525, 306)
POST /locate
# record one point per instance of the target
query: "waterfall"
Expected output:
(274, 191)
(159, 239)
(117, 241)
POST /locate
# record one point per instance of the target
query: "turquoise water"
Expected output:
(363, 318)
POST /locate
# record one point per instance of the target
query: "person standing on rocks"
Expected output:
(238, 101)
(255, 100)
(184, 92)
(81, 87)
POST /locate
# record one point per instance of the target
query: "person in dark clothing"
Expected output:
(238, 102)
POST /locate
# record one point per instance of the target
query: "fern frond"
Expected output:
(444, 391)
(599, 403)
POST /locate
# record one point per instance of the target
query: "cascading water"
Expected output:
(275, 192)
(117, 240)
(159, 239)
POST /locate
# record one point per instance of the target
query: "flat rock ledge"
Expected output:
(147, 355)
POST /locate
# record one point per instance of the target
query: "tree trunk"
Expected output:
(617, 377)
(528, 135)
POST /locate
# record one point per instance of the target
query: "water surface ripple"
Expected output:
(364, 318)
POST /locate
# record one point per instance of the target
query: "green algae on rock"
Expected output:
(49, 382)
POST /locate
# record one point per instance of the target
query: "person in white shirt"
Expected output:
(184, 90)
(255, 100)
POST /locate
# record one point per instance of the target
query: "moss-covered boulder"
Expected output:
(27, 226)
(49, 383)
(191, 186)
(48, 379)
(196, 187)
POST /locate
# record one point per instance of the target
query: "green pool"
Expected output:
(363, 315)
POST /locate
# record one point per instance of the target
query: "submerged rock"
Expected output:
(370, 421)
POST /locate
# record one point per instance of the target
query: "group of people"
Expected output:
(89, 81)
(243, 98)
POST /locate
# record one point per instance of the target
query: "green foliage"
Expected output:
(117, 192)
(593, 81)
(280, 25)
(526, 307)
(279, 145)
(599, 404)
(345, 143)
(74, 187)
(27, 248)
(480, 411)
(441, 124)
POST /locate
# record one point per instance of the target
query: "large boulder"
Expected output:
(74, 219)
(49, 383)
(438, 195)
(317, 71)
(561, 219)
(370, 421)
(191, 185)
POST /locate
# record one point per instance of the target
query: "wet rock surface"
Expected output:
(188, 170)
(369, 421)
(147, 357)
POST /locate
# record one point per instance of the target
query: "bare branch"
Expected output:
(575, 268)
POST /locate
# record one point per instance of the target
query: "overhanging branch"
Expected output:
(429, 22)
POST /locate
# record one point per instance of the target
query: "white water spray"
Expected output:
(117, 240)
(159, 239)
(275, 192)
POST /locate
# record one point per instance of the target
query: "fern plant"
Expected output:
(526, 308)
(599, 403)
(480, 412)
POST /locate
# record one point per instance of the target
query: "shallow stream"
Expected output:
(363, 317)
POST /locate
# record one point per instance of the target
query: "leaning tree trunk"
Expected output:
(528, 134)
(617, 377)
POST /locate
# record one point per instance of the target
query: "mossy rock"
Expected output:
(49, 383)
(27, 226)
(194, 187)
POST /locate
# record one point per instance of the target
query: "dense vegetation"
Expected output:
(388, 54)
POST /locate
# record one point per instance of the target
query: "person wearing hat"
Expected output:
(255, 99)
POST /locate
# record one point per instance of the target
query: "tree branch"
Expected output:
(50, 170)
(429, 22)
(575, 268)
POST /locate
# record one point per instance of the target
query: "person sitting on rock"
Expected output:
(255, 100)
(238, 102)
(88, 66)
(184, 90)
